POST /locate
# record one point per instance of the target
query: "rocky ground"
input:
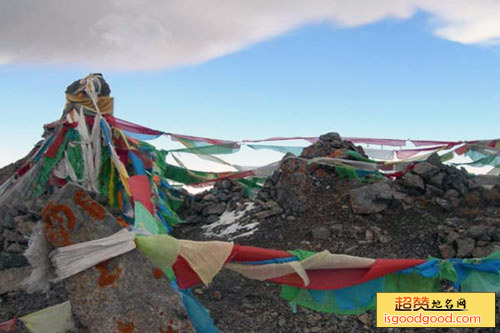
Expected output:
(433, 209)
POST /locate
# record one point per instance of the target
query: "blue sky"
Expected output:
(391, 78)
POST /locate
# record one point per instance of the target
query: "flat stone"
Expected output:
(215, 209)
(209, 197)
(24, 225)
(13, 236)
(212, 218)
(321, 233)
(15, 248)
(267, 213)
(194, 219)
(121, 293)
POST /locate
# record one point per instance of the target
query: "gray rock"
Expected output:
(332, 136)
(494, 233)
(369, 236)
(215, 209)
(336, 228)
(24, 225)
(455, 179)
(264, 195)
(10, 260)
(226, 184)
(445, 204)
(413, 181)
(212, 219)
(480, 252)
(15, 248)
(267, 213)
(321, 233)
(13, 237)
(8, 220)
(194, 219)
(371, 199)
(19, 206)
(119, 293)
(452, 236)
(432, 191)
(447, 251)
(437, 180)
(10, 279)
(226, 196)
(435, 160)
(209, 197)
(425, 170)
(478, 232)
(451, 194)
(465, 247)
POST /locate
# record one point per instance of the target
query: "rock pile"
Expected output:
(463, 238)
(226, 210)
(433, 209)
(17, 220)
(440, 184)
(434, 179)
(208, 206)
(331, 145)
(295, 179)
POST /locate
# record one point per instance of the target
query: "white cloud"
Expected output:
(136, 34)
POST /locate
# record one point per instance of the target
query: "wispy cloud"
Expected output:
(136, 34)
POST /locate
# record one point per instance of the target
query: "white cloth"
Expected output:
(72, 259)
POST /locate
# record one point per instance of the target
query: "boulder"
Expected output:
(447, 251)
(371, 199)
(435, 160)
(118, 295)
(215, 209)
(413, 181)
(465, 247)
(425, 170)
(437, 180)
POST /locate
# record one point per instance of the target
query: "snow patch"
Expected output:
(230, 226)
